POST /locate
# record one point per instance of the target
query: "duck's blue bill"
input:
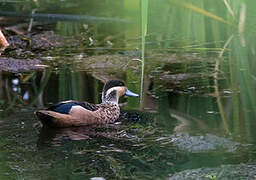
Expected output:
(130, 93)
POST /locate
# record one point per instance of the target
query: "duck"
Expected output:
(75, 113)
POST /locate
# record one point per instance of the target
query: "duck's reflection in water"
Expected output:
(55, 136)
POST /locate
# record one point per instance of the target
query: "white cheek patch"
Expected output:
(118, 88)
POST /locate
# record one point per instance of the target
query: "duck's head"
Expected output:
(114, 89)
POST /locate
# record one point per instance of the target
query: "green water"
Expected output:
(197, 108)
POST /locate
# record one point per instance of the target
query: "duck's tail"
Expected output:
(54, 119)
(45, 117)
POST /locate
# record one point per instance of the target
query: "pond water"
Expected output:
(144, 143)
(196, 108)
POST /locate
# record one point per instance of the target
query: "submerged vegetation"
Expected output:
(192, 62)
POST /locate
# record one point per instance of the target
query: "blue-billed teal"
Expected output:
(74, 113)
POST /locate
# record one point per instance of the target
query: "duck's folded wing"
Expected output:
(65, 106)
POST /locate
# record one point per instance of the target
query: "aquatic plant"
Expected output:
(144, 22)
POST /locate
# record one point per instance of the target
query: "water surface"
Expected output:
(197, 108)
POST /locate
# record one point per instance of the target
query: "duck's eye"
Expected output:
(120, 84)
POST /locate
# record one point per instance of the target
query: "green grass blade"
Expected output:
(144, 19)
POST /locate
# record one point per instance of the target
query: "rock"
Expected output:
(208, 142)
(224, 172)
(19, 65)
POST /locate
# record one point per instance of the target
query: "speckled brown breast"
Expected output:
(108, 112)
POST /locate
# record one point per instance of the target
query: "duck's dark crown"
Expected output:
(112, 83)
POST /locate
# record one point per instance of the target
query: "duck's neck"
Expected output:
(110, 99)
